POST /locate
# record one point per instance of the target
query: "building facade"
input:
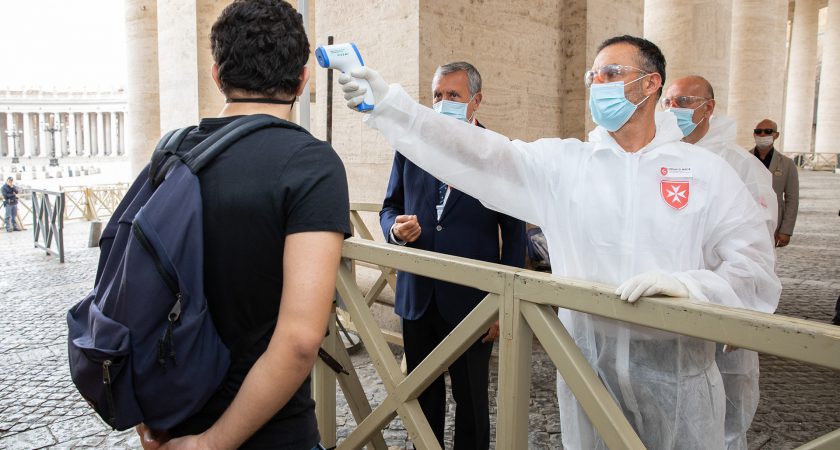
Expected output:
(36, 123)
(761, 56)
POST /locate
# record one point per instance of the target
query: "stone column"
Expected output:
(28, 137)
(71, 134)
(114, 141)
(143, 127)
(801, 78)
(694, 37)
(5, 148)
(187, 90)
(86, 141)
(828, 105)
(43, 147)
(60, 135)
(11, 141)
(759, 51)
(100, 134)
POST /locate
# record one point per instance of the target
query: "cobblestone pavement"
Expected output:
(39, 406)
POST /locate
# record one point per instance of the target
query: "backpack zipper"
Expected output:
(144, 242)
(109, 395)
(166, 345)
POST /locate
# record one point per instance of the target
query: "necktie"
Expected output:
(442, 193)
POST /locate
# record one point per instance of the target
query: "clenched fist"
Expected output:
(406, 228)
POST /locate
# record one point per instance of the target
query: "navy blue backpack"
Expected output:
(142, 344)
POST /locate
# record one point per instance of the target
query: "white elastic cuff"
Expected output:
(393, 238)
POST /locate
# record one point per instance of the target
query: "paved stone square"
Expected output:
(40, 408)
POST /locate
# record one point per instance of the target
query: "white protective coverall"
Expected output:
(739, 369)
(607, 217)
(720, 140)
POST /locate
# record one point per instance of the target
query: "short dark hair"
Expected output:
(651, 58)
(260, 47)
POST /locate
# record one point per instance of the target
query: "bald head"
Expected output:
(692, 85)
(693, 93)
(767, 123)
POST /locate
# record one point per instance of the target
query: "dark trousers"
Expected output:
(836, 320)
(469, 375)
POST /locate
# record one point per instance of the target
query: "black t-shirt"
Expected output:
(272, 183)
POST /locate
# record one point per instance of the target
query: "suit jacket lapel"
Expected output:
(431, 194)
(454, 196)
(775, 162)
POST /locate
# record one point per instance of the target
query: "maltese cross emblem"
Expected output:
(675, 193)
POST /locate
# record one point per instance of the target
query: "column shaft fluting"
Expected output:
(756, 75)
(142, 87)
(100, 135)
(28, 137)
(86, 149)
(828, 106)
(694, 37)
(71, 134)
(801, 78)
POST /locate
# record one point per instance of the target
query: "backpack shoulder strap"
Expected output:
(167, 147)
(219, 141)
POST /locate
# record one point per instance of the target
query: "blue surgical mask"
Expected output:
(608, 105)
(449, 108)
(684, 118)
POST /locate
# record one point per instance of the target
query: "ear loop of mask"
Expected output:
(631, 82)
(470, 120)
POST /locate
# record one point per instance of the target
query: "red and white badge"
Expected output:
(675, 193)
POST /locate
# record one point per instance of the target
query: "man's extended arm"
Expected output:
(510, 176)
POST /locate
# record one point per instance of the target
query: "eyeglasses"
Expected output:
(609, 73)
(764, 131)
(681, 101)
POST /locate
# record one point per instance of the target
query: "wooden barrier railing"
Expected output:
(522, 301)
(81, 202)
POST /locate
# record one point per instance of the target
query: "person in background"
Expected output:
(692, 101)
(10, 201)
(422, 212)
(785, 178)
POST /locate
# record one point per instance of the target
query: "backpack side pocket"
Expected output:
(100, 364)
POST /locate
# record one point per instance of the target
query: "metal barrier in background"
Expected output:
(48, 221)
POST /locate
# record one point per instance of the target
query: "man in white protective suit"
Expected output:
(692, 100)
(635, 207)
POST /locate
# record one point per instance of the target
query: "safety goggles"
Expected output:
(681, 101)
(764, 131)
(609, 73)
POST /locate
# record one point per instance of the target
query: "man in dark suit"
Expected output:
(421, 212)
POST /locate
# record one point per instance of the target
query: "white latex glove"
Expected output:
(651, 283)
(354, 94)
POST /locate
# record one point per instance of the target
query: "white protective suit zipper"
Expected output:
(622, 354)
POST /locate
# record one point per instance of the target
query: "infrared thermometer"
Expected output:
(345, 57)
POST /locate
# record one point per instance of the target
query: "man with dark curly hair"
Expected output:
(276, 211)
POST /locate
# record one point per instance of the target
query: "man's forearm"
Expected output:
(270, 384)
